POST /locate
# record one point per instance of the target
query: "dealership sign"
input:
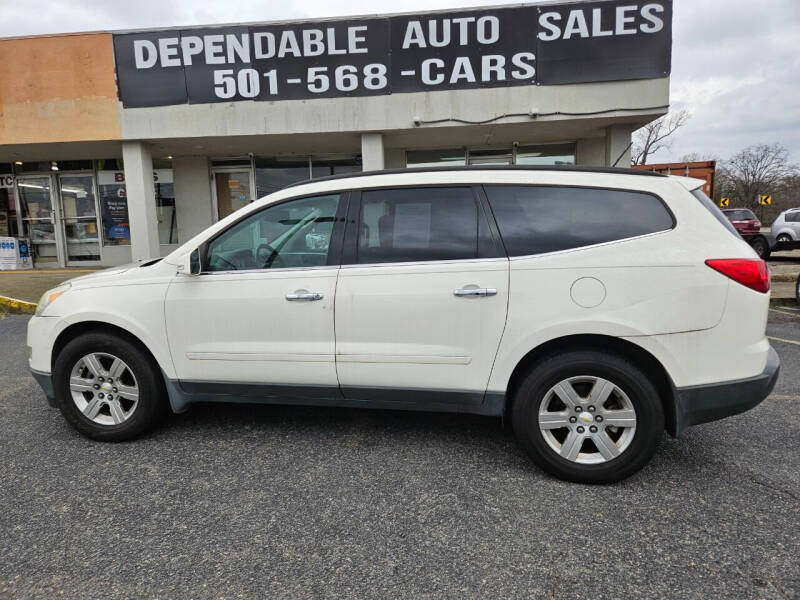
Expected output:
(519, 45)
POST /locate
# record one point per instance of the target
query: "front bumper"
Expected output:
(705, 403)
(45, 381)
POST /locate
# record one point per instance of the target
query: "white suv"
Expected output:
(591, 308)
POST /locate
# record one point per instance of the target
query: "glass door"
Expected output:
(39, 219)
(79, 220)
(233, 189)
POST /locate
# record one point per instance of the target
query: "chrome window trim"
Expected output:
(419, 263)
(276, 270)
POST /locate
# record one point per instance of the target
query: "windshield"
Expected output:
(712, 208)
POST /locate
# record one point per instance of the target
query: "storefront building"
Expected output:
(117, 147)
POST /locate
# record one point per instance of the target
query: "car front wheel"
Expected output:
(784, 237)
(797, 290)
(107, 387)
(761, 247)
(588, 416)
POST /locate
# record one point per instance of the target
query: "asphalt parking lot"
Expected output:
(259, 501)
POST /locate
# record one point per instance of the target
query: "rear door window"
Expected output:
(538, 219)
(418, 224)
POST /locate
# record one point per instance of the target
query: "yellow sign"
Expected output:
(723, 202)
(766, 200)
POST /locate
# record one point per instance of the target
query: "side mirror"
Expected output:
(191, 264)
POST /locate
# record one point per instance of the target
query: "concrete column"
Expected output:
(618, 141)
(395, 158)
(193, 207)
(140, 189)
(372, 151)
(590, 152)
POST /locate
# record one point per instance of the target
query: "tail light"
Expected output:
(752, 273)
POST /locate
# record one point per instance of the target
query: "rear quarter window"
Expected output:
(538, 219)
(712, 208)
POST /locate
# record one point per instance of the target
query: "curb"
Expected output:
(784, 302)
(783, 278)
(14, 306)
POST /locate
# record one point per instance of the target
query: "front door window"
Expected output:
(294, 234)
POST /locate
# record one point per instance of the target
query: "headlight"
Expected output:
(51, 296)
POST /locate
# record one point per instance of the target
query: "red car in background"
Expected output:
(743, 219)
(749, 227)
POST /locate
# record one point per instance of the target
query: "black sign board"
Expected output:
(606, 40)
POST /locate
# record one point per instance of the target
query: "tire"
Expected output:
(588, 372)
(761, 247)
(784, 237)
(101, 364)
(797, 290)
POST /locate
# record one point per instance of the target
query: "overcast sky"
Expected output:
(735, 65)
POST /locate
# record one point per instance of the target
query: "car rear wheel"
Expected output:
(784, 237)
(588, 416)
(107, 387)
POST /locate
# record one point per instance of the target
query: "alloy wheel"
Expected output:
(587, 419)
(104, 388)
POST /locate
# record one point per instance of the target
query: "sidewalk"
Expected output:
(30, 285)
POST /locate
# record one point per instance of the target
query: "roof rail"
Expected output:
(568, 168)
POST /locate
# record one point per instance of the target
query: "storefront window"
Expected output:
(491, 156)
(550, 154)
(273, 174)
(8, 204)
(114, 206)
(52, 165)
(545, 154)
(324, 167)
(165, 207)
(436, 158)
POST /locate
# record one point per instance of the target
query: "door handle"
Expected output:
(304, 296)
(475, 292)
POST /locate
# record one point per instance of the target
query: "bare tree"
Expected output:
(755, 171)
(698, 157)
(654, 136)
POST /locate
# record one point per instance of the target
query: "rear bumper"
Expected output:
(705, 403)
(45, 381)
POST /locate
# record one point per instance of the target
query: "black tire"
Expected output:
(784, 238)
(797, 290)
(152, 402)
(761, 247)
(596, 363)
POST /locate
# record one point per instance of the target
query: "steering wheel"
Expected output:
(268, 257)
